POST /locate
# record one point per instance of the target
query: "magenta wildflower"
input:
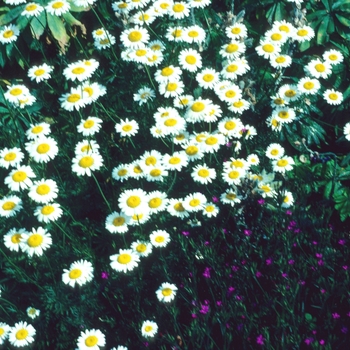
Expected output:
(261, 201)
(258, 274)
(345, 267)
(194, 315)
(268, 261)
(344, 330)
(284, 275)
(291, 262)
(335, 315)
(235, 268)
(104, 275)
(289, 212)
(323, 291)
(308, 341)
(318, 255)
(260, 339)
(322, 342)
(247, 232)
(206, 272)
(185, 233)
(314, 242)
(320, 262)
(341, 241)
(204, 309)
(219, 303)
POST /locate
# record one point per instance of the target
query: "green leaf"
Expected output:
(72, 21)
(304, 46)
(326, 5)
(322, 35)
(270, 13)
(38, 25)
(308, 317)
(340, 3)
(11, 15)
(58, 31)
(328, 189)
(343, 20)
(331, 27)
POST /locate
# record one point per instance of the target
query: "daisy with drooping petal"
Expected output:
(171, 125)
(266, 190)
(304, 33)
(176, 161)
(267, 49)
(278, 101)
(8, 34)
(10, 157)
(4, 332)
(105, 43)
(86, 146)
(203, 174)
(83, 164)
(231, 197)
(21, 334)
(9, 206)
(78, 71)
(168, 73)
(175, 208)
(117, 222)
(89, 126)
(144, 16)
(284, 115)
(92, 91)
(287, 199)
(144, 95)
(175, 34)
(125, 261)
(181, 137)
(233, 176)
(121, 172)
(75, 99)
(308, 86)
(274, 151)
(43, 149)
(133, 201)
(40, 73)
(193, 150)
(149, 329)
(235, 68)
(32, 312)
(190, 60)
(79, 272)
(236, 163)
(141, 248)
(43, 191)
(198, 109)
(333, 97)
(38, 130)
(20, 178)
(238, 106)
(285, 27)
(122, 7)
(236, 31)
(283, 164)
(210, 210)
(280, 61)
(91, 339)
(318, 69)
(35, 242)
(155, 173)
(233, 50)
(157, 201)
(166, 292)
(141, 218)
(172, 88)
(194, 202)
(136, 171)
(12, 239)
(231, 93)
(159, 238)
(134, 37)
(57, 7)
(127, 128)
(194, 34)
(48, 212)
(179, 10)
(15, 93)
(230, 127)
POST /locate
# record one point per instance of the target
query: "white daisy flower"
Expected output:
(239, 106)
(127, 128)
(303, 33)
(83, 164)
(234, 68)
(285, 27)
(141, 248)
(10, 205)
(274, 151)
(157, 201)
(333, 97)
(79, 272)
(266, 190)
(287, 199)
(43, 191)
(78, 71)
(86, 146)
(21, 334)
(9, 34)
(181, 137)
(280, 61)
(125, 261)
(105, 43)
(4, 331)
(176, 161)
(198, 109)
(144, 95)
(11, 157)
(159, 238)
(40, 73)
(207, 78)
(267, 49)
(172, 88)
(121, 172)
(57, 7)
(284, 114)
(179, 10)
(15, 93)
(230, 127)
(175, 34)
(232, 50)
(230, 93)
(155, 173)
(276, 36)
(89, 126)
(236, 31)
(233, 176)
(12, 240)
(48, 212)
(194, 202)
(318, 69)
(75, 99)
(308, 86)
(42, 150)
(20, 178)
(210, 210)
(283, 164)
(35, 242)
(38, 130)
(194, 34)
(190, 60)
(117, 222)
(193, 150)
(133, 201)
(166, 292)
(92, 91)
(231, 197)
(203, 174)
(175, 208)
(32, 312)
(346, 131)
(134, 37)
(149, 329)
(333, 56)
(91, 339)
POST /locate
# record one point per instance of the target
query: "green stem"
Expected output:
(103, 196)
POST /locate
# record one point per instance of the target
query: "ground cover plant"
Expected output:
(174, 174)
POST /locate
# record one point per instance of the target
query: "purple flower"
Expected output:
(314, 242)
(284, 275)
(268, 261)
(335, 315)
(215, 199)
(206, 272)
(291, 262)
(185, 233)
(247, 232)
(260, 340)
(240, 326)
(219, 303)
(301, 282)
(320, 262)
(322, 342)
(288, 212)
(261, 201)
(194, 315)
(258, 274)
(204, 309)
(341, 241)
(318, 255)
(323, 291)
(231, 289)
(345, 267)
(235, 268)
(308, 341)
(104, 275)
(344, 330)
(228, 144)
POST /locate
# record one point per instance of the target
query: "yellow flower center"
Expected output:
(39, 72)
(234, 174)
(122, 172)
(284, 28)
(176, 33)
(123, 5)
(179, 207)
(309, 85)
(141, 248)
(43, 189)
(235, 30)
(274, 152)
(135, 36)
(43, 148)
(73, 98)
(171, 86)
(86, 148)
(22, 334)
(238, 104)
(198, 107)
(230, 196)
(47, 209)
(144, 17)
(276, 36)
(180, 137)
(170, 122)
(10, 156)
(211, 140)
(278, 101)
(283, 114)
(151, 160)
(137, 169)
(8, 205)
(31, 7)
(99, 32)
(209, 208)
(74, 274)
(286, 199)
(159, 239)
(230, 48)
(37, 129)
(237, 163)
(200, 137)
(133, 201)
(32, 311)
(333, 57)
(164, 5)
(155, 172)
(86, 162)
(148, 329)
(141, 52)
(194, 202)
(230, 93)
(231, 68)
(8, 33)
(320, 67)
(89, 90)
(19, 176)
(274, 123)
(290, 93)
(127, 127)
(190, 59)
(35, 240)
(16, 238)
(178, 8)
(16, 91)
(89, 124)
(280, 59)
(268, 48)
(191, 150)
(91, 341)
(167, 291)
(333, 96)
(78, 70)
(57, 4)
(230, 125)
(118, 221)
(208, 78)
(203, 173)
(302, 32)
(193, 34)
(282, 163)
(124, 259)
(174, 160)
(265, 188)
(155, 202)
